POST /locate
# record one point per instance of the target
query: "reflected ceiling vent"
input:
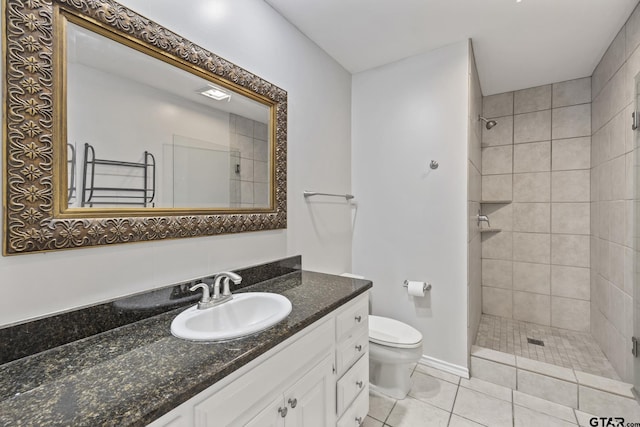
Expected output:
(214, 92)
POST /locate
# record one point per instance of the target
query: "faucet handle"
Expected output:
(206, 297)
(225, 287)
(223, 278)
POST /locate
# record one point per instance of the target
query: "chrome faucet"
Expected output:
(483, 218)
(209, 301)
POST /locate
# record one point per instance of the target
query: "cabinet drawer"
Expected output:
(356, 413)
(354, 318)
(350, 351)
(353, 382)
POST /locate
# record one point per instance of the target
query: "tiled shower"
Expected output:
(557, 186)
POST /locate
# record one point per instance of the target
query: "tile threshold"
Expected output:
(584, 379)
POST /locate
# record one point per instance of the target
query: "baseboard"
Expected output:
(444, 366)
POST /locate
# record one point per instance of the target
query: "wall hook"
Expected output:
(433, 164)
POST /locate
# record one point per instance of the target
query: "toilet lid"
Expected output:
(393, 333)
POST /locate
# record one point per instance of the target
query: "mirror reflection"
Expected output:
(144, 133)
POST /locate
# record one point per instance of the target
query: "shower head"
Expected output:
(489, 123)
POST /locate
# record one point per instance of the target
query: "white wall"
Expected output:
(411, 221)
(252, 35)
(148, 119)
(474, 194)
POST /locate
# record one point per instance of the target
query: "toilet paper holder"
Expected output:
(425, 286)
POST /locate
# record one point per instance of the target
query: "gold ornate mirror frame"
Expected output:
(34, 167)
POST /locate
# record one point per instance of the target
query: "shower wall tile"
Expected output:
(573, 153)
(571, 218)
(497, 273)
(629, 260)
(497, 245)
(497, 160)
(260, 131)
(570, 313)
(531, 247)
(616, 307)
(532, 157)
(532, 217)
(498, 105)
(632, 32)
(499, 135)
(629, 178)
(260, 171)
(529, 277)
(630, 221)
(616, 265)
(616, 128)
(604, 182)
(600, 146)
(497, 187)
(572, 92)
(246, 192)
(600, 297)
(261, 193)
(618, 178)
(532, 99)
(570, 186)
(629, 134)
(532, 127)
(617, 224)
(261, 150)
(570, 122)
(612, 60)
(244, 126)
(500, 215)
(628, 316)
(246, 169)
(532, 187)
(570, 282)
(498, 302)
(543, 252)
(571, 250)
(244, 144)
(531, 307)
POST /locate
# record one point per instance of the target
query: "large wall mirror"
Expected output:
(118, 130)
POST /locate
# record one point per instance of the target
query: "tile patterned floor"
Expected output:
(576, 350)
(439, 398)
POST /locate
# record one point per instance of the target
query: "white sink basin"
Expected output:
(244, 315)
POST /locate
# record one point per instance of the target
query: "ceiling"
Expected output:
(517, 44)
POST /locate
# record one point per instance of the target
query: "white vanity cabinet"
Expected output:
(307, 403)
(317, 378)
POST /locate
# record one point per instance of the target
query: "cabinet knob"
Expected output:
(293, 403)
(358, 319)
(282, 412)
(359, 384)
(359, 347)
(359, 420)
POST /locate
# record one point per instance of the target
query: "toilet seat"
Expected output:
(392, 333)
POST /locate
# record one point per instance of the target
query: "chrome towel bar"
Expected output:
(315, 193)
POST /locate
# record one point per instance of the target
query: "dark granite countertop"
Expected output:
(131, 375)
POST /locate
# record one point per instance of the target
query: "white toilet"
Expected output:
(393, 348)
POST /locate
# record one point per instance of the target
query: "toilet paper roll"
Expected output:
(416, 289)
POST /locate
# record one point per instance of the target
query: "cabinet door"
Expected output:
(311, 400)
(271, 416)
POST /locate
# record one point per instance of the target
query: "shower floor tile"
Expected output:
(571, 349)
